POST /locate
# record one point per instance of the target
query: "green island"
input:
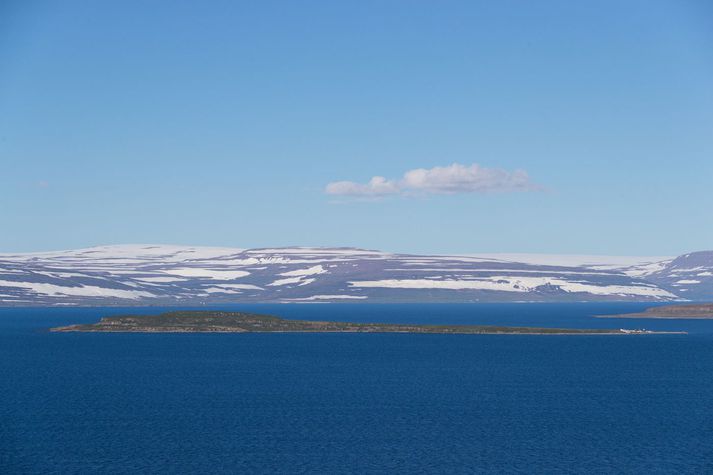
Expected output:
(686, 311)
(240, 322)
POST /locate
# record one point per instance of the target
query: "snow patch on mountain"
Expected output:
(327, 297)
(160, 280)
(314, 270)
(289, 280)
(208, 273)
(82, 290)
(517, 284)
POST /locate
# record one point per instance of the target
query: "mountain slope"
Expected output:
(148, 274)
(689, 276)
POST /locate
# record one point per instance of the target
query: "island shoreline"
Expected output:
(703, 311)
(239, 322)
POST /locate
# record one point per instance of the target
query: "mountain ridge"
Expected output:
(150, 274)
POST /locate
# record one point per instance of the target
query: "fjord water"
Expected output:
(358, 403)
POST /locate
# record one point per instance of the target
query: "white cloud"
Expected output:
(377, 186)
(455, 178)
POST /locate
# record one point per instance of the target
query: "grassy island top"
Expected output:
(696, 310)
(240, 322)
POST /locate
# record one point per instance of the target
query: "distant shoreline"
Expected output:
(671, 312)
(240, 322)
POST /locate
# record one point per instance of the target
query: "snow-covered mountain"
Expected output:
(148, 274)
(690, 276)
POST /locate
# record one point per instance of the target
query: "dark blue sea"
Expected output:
(89, 403)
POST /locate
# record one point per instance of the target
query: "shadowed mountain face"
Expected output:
(141, 275)
(690, 276)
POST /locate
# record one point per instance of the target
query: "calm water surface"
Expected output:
(358, 403)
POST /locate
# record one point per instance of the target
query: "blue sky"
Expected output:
(222, 123)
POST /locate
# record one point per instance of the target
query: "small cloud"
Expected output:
(377, 186)
(42, 184)
(452, 179)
